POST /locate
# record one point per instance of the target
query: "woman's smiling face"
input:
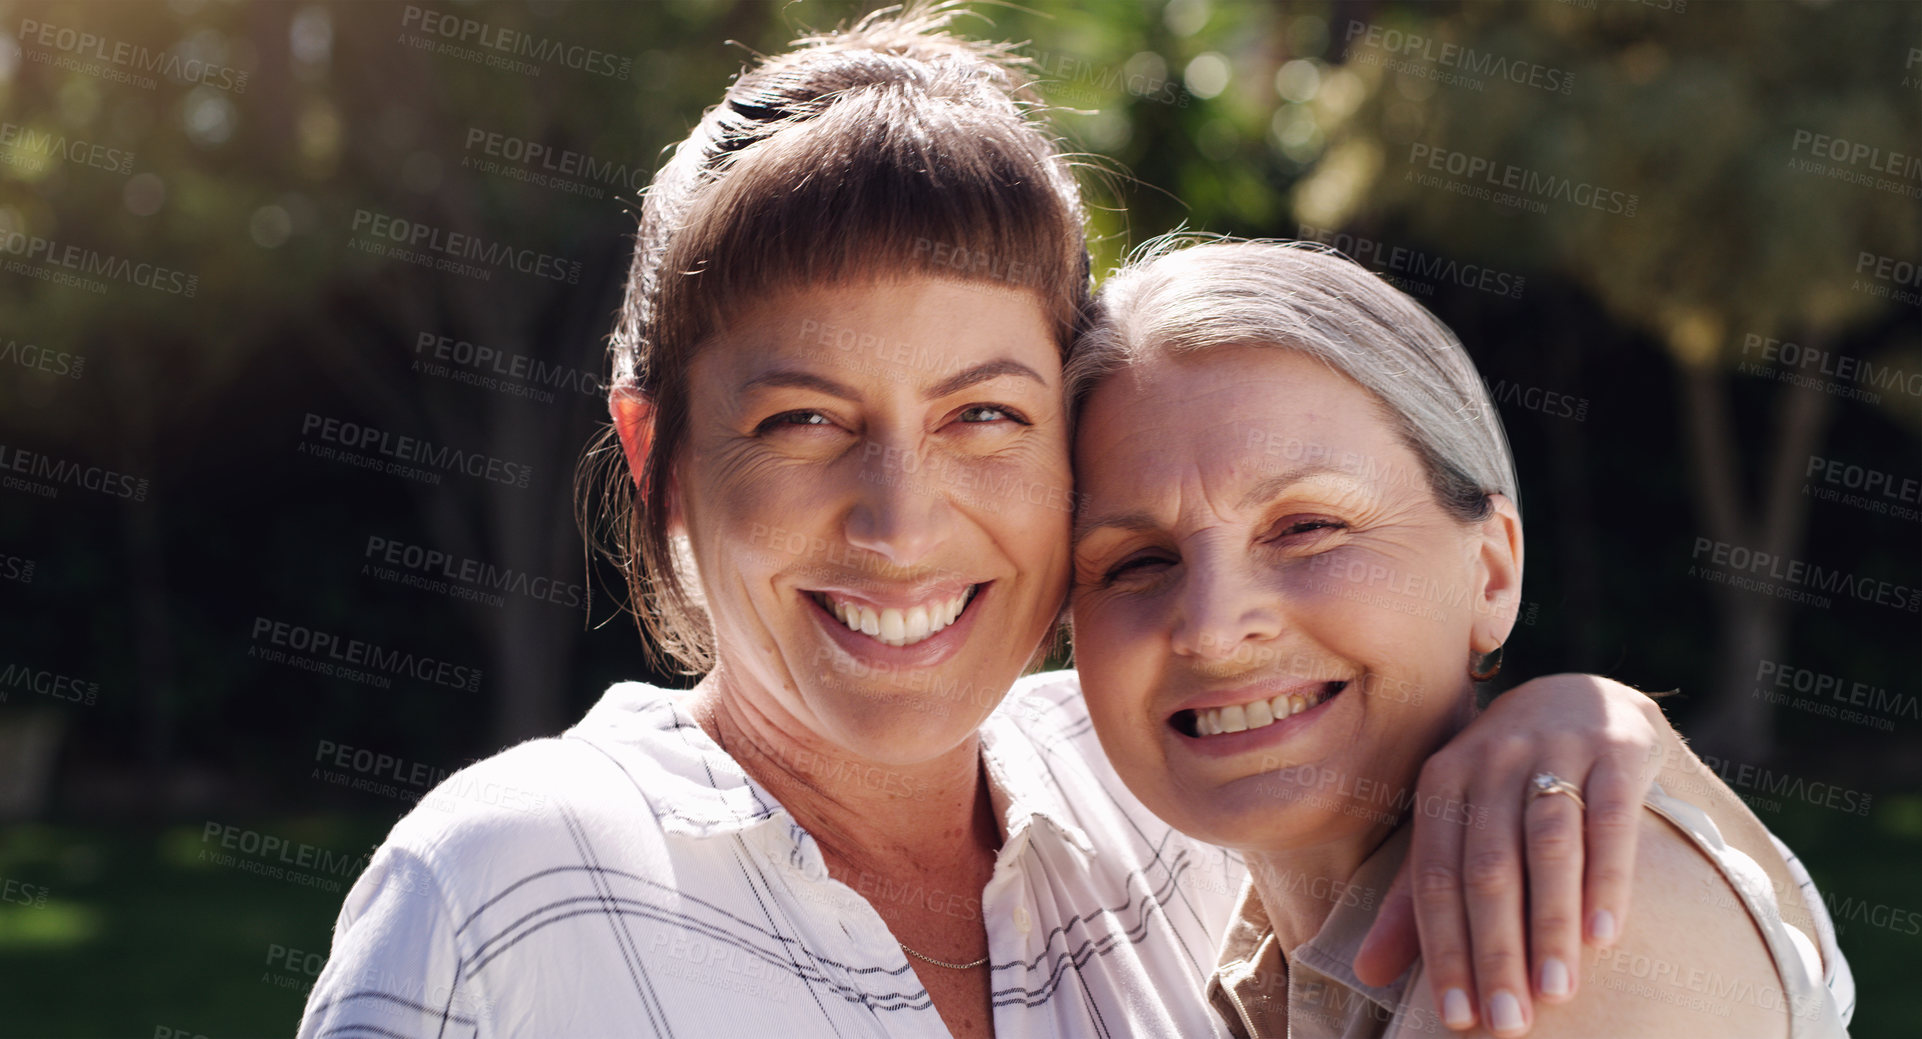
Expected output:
(1272, 612)
(876, 492)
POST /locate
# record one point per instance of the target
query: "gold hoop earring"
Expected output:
(1491, 665)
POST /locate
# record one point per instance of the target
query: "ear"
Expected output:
(633, 415)
(1498, 560)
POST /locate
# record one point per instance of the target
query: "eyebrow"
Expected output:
(1129, 521)
(980, 373)
(1272, 487)
(961, 380)
(1266, 490)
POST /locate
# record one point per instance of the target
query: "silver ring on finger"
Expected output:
(1546, 783)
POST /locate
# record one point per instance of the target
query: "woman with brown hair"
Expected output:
(846, 503)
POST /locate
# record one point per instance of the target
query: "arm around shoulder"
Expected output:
(1694, 965)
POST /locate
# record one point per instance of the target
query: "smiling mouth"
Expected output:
(892, 626)
(1216, 721)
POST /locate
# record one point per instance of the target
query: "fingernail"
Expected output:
(1554, 977)
(1455, 1009)
(1602, 925)
(1504, 1012)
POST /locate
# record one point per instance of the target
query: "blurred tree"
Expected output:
(1659, 156)
(254, 189)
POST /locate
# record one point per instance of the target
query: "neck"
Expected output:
(1300, 885)
(864, 814)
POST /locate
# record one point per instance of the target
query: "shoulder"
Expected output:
(1044, 719)
(1047, 702)
(1697, 783)
(503, 796)
(613, 776)
(401, 944)
(491, 825)
(1691, 961)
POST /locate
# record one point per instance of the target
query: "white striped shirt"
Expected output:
(628, 879)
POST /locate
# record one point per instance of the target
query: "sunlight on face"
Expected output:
(1272, 612)
(876, 491)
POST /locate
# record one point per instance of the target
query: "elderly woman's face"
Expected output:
(877, 494)
(1272, 613)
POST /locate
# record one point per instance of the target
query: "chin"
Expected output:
(911, 719)
(1273, 811)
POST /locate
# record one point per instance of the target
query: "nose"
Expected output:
(1223, 608)
(901, 511)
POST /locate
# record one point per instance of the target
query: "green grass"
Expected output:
(130, 931)
(1867, 870)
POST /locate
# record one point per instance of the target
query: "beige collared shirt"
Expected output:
(1320, 997)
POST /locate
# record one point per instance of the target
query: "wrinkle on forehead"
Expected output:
(1187, 422)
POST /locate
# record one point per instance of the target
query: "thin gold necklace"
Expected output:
(941, 963)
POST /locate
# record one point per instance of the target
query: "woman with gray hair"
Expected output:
(1300, 542)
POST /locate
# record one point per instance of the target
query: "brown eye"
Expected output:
(1305, 527)
(1135, 566)
(792, 418)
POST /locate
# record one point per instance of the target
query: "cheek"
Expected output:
(1114, 627)
(1119, 653)
(1120, 662)
(1030, 520)
(1412, 647)
(1397, 599)
(1409, 648)
(1034, 478)
(1023, 503)
(755, 517)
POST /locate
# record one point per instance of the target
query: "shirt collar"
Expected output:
(696, 789)
(1021, 780)
(1320, 993)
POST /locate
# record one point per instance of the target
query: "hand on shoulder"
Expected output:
(1695, 964)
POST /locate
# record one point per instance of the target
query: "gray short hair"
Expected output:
(1179, 296)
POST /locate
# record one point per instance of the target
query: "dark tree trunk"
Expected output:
(1737, 724)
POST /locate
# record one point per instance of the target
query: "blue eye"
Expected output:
(989, 413)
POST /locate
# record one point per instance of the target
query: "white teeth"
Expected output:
(1233, 718)
(1242, 717)
(899, 627)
